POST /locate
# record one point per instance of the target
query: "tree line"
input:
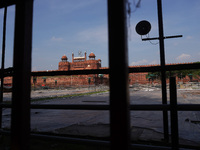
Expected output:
(191, 73)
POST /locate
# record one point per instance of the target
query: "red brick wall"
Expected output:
(64, 81)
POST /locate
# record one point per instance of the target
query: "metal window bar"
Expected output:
(9, 71)
(173, 114)
(119, 103)
(135, 107)
(6, 3)
(20, 113)
(163, 70)
(25, 15)
(3, 61)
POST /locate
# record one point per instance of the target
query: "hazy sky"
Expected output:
(65, 26)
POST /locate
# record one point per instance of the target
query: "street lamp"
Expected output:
(89, 80)
(101, 78)
(190, 76)
(143, 28)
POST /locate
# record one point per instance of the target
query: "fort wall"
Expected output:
(82, 63)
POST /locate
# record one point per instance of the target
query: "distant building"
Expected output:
(79, 63)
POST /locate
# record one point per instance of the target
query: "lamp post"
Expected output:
(190, 76)
(44, 80)
(143, 28)
(152, 77)
(56, 83)
(89, 80)
(94, 80)
(101, 78)
(34, 81)
(149, 78)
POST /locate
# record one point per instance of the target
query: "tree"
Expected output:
(193, 73)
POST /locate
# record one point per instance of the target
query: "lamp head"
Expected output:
(143, 27)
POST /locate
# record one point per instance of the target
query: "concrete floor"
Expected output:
(145, 125)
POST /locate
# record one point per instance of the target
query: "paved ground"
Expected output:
(145, 125)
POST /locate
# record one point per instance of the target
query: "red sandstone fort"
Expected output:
(79, 63)
(82, 63)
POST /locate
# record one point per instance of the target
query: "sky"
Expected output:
(61, 27)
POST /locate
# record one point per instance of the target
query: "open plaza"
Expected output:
(145, 125)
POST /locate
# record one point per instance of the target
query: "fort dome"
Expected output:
(64, 57)
(92, 55)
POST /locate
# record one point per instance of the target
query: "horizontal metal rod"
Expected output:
(172, 67)
(9, 71)
(147, 39)
(160, 107)
(76, 107)
(87, 141)
(144, 69)
(71, 72)
(6, 72)
(63, 106)
(131, 70)
(188, 107)
(137, 107)
(174, 36)
(150, 107)
(149, 147)
(166, 37)
(4, 3)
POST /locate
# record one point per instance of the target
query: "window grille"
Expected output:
(120, 125)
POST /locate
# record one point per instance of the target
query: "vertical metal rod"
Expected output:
(20, 116)
(119, 90)
(174, 115)
(3, 61)
(163, 75)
